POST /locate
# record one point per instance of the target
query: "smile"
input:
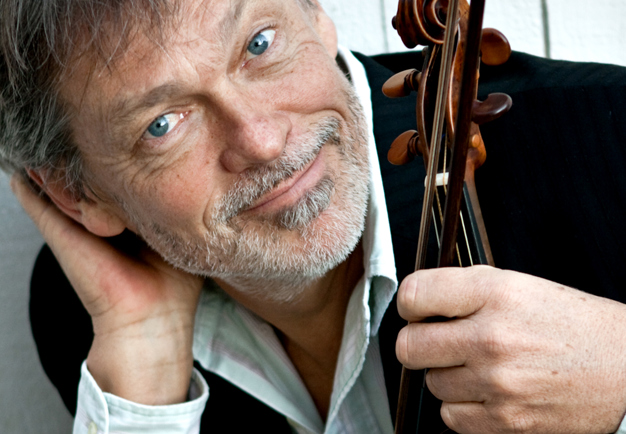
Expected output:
(292, 189)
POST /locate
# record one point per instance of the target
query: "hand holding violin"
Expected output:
(520, 354)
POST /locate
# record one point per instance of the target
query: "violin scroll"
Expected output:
(420, 23)
(423, 22)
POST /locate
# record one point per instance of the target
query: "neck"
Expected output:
(311, 326)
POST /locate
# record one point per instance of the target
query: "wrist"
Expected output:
(153, 371)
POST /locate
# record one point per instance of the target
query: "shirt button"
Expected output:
(92, 429)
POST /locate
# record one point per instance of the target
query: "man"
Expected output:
(225, 135)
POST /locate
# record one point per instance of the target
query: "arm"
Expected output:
(521, 354)
(106, 413)
(142, 310)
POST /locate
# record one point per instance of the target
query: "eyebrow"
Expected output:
(123, 109)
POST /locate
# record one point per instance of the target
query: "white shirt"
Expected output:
(237, 345)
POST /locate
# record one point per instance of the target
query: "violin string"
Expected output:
(437, 215)
(439, 201)
(467, 242)
(462, 221)
(435, 140)
(436, 227)
(440, 214)
(444, 183)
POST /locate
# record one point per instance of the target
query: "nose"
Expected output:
(254, 133)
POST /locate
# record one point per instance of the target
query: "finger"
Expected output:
(69, 241)
(435, 345)
(479, 418)
(37, 208)
(449, 292)
(457, 384)
(466, 417)
(58, 230)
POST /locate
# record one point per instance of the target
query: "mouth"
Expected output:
(288, 192)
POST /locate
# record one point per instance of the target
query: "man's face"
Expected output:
(236, 150)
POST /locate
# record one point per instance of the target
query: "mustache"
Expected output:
(257, 181)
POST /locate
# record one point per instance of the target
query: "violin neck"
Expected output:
(475, 230)
(472, 244)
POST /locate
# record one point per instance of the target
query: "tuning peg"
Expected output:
(404, 148)
(495, 47)
(402, 83)
(492, 108)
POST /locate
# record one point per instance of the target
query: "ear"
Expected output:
(95, 215)
(326, 29)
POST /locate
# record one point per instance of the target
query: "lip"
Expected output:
(292, 189)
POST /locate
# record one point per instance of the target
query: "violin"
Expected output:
(448, 116)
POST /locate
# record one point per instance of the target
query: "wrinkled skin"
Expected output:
(522, 354)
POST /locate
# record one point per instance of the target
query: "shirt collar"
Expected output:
(378, 250)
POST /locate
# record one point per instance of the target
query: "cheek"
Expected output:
(314, 84)
(180, 196)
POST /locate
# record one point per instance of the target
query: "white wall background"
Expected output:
(590, 30)
(579, 30)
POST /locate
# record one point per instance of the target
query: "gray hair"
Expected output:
(38, 42)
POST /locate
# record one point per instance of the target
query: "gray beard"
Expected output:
(255, 256)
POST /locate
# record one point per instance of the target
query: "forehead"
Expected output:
(126, 37)
(107, 81)
(109, 36)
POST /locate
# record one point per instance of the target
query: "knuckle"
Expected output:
(490, 280)
(500, 383)
(508, 419)
(493, 340)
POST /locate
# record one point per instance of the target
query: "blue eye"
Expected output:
(163, 125)
(261, 42)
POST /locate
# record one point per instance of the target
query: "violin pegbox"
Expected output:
(407, 145)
